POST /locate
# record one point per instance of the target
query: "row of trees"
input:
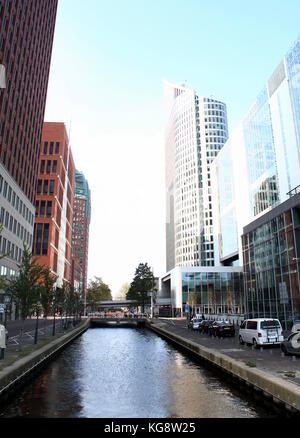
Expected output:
(33, 290)
(142, 283)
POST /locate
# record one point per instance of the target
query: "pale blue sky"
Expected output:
(109, 60)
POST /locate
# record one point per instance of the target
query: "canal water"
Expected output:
(128, 373)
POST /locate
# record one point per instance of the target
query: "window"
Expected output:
(38, 242)
(45, 147)
(6, 219)
(42, 169)
(39, 187)
(45, 239)
(42, 209)
(2, 215)
(45, 190)
(57, 148)
(54, 167)
(49, 208)
(5, 189)
(51, 148)
(48, 169)
(51, 186)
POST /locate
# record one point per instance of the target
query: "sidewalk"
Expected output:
(13, 352)
(269, 359)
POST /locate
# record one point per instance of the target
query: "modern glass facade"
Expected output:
(213, 293)
(271, 255)
(293, 69)
(259, 143)
(263, 157)
(227, 233)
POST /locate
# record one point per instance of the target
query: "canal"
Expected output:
(128, 373)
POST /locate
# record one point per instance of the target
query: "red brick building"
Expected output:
(54, 202)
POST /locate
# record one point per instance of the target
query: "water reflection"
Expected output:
(120, 372)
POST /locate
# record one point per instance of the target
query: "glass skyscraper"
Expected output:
(260, 163)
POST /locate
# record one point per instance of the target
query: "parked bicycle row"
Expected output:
(258, 332)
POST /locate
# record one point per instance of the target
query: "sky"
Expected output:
(108, 63)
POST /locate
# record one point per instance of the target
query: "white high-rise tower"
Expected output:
(196, 130)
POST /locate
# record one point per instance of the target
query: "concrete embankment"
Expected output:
(283, 393)
(14, 376)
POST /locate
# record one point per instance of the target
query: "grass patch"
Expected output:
(290, 374)
(251, 364)
(287, 373)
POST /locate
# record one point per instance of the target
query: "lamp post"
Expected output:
(38, 304)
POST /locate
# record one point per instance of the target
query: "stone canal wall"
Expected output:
(14, 376)
(282, 392)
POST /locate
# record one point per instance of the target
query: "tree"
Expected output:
(47, 290)
(97, 291)
(26, 286)
(142, 283)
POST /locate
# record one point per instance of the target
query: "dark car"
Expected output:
(291, 345)
(206, 324)
(222, 329)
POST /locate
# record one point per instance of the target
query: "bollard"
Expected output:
(294, 358)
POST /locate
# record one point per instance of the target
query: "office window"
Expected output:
(45, 147)
(39, 187)
(45, 191)
(42, 169)
(38, 242)
(2, 215)
(51, 148)
(45, 239)
(1, 183)
(54, 167)
(49, 208)
(51, 186)
(48, 169)
(6, 219)
(57, 148)
(42, 208)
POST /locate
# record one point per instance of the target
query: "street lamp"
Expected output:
(38, 304)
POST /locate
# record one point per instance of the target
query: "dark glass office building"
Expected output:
(271, 254)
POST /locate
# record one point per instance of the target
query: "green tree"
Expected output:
(47, 291)
(25, 288)
(97, 291)
(143, 282)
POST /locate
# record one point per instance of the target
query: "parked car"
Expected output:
(296, 327)
(261, 331)
(291, 345)
(204, 327)
(194, 323)
(222, 329)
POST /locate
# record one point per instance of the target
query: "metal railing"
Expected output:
(294, 191)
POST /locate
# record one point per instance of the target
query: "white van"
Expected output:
(261, 331)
